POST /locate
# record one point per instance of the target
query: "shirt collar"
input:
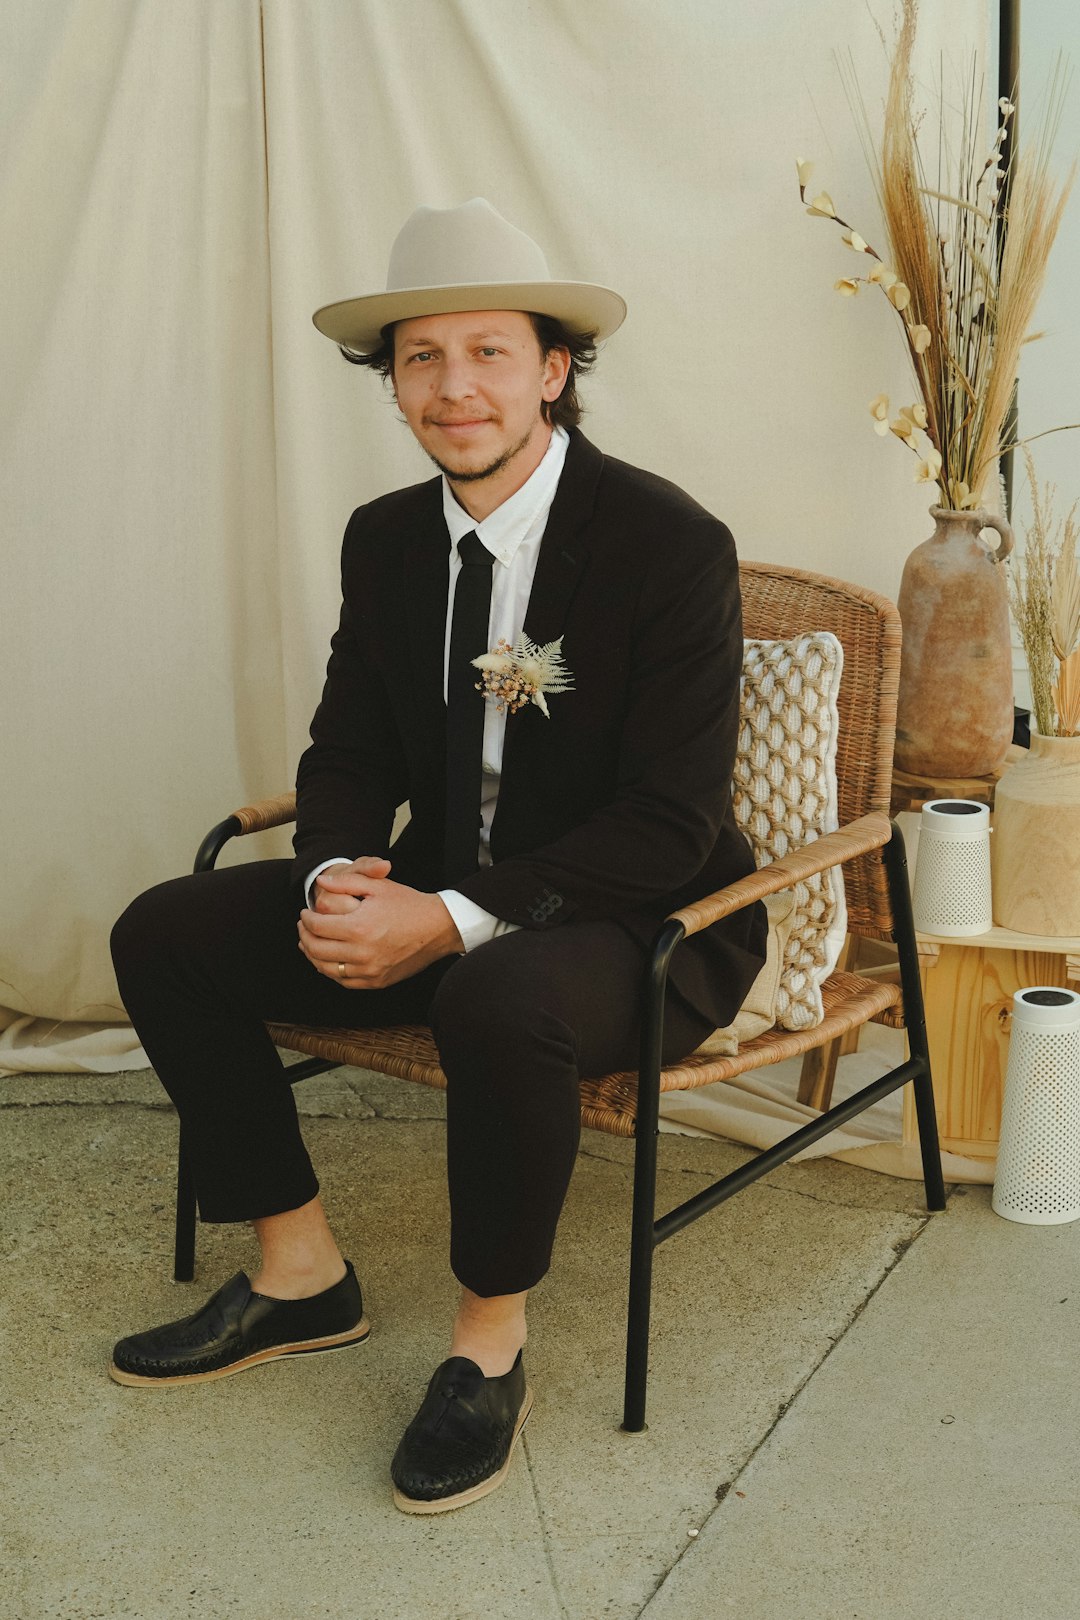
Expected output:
(503, 530)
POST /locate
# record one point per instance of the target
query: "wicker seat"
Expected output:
(777, 602)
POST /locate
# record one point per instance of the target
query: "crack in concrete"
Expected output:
(391, 1119)
(724, 1490)
(706, 1177)
(165, 1107)
(839, 1203)
(602, 1158)
(544, 1537)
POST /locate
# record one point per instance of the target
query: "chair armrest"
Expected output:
(869, 832)
(276, 812)
(252, 818)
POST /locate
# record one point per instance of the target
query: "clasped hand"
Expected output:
(380, 931)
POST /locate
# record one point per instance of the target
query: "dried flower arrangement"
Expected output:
(1045, 598)
(970, 256)
(523, 673)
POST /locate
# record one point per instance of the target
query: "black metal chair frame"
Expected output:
(648, 1231)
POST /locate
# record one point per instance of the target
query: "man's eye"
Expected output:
(489, 351)
(421, 354)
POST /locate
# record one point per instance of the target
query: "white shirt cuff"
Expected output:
(335, 860)
(475, 925)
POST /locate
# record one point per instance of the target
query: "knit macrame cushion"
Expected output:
(784, 793)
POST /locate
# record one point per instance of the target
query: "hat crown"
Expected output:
(471, 244)
(447, 261)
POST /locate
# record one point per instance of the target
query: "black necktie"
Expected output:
(465, 709)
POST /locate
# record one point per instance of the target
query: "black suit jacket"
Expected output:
(619, 805)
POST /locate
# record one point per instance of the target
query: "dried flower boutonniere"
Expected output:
(522, 673)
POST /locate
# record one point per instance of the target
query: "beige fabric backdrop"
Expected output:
(180, 186)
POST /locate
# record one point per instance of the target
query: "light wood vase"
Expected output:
(955, 706)
(1035, 849)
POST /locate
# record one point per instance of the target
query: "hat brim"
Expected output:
(581, 306)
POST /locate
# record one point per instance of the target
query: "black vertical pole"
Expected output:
(1009, 88)
(643, 1228)
(907, 949)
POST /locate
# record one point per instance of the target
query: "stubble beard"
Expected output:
(477, 475)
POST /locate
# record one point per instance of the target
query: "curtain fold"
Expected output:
(141, 645)
(180, 186)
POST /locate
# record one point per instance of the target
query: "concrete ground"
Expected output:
(856, 1410)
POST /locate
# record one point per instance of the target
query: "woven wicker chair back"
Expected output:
(780, 602)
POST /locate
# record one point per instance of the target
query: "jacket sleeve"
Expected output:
(678, 733)
(352, 778)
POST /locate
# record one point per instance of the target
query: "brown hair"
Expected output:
(564, 412)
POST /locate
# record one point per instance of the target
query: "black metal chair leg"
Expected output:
(926, 1114)
(915, 1017)
(184, 1251)
(642, 1246)
(643, 1221)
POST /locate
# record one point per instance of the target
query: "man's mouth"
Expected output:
(459, 424)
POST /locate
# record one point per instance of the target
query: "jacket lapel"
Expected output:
(563, 550)
(426, 568)
(564, 553)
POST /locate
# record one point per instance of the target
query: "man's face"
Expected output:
(470, 386)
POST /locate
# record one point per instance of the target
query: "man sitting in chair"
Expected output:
(539, 650)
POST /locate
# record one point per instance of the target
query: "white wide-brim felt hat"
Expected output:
(446, 260)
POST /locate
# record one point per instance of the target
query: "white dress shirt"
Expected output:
(512, 533)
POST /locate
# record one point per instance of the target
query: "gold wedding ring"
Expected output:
(341, 970)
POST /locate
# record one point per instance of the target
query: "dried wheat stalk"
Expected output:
(1065, 632)
(1044, 591)
(965, 265)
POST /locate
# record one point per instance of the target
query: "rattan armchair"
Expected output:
(777, 602)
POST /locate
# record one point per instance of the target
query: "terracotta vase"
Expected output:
(1035, 848)
(955, 709)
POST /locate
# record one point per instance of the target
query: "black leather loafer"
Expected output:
(458, 1446)
(238, 1328)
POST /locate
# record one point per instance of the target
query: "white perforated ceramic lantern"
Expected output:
(952, 869)
(1038, 1167)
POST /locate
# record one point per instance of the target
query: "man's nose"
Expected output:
(457, 378)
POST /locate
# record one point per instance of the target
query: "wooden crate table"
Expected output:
(912, 792)
(968, 986)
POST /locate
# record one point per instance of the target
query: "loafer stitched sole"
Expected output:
(443, 1504)
(306, 1347)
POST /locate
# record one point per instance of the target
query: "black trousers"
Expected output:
(203, 961)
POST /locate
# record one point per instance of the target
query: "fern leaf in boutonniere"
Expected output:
(523, 673)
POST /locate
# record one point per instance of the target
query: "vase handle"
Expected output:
(989, 520)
